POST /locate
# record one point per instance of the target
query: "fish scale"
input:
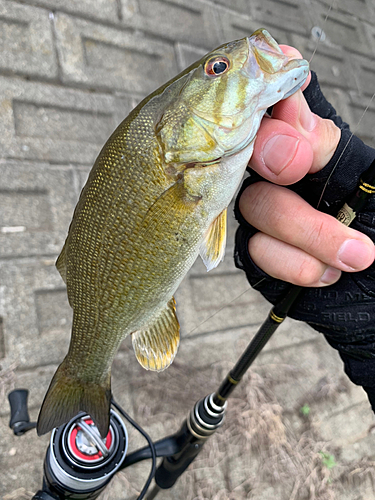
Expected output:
(157, 197)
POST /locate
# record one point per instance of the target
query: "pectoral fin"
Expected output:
(212, 249)
(155, 347)
(169, 210)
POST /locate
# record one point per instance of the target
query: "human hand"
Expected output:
(295, 242)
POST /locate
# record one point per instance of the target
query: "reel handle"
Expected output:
(19, 415)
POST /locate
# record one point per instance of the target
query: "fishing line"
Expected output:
(261, 280)
(221, 308)
(150, 443)
(322, 30)
(331, 7)
(346, 145)
(226, 305)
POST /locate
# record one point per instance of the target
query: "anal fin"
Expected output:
(212, 249)
(156, 346)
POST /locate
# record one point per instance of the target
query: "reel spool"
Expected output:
(78, 460)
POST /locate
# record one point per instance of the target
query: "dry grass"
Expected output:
(285, 456)
(259, 448)
(262, 452)
(258, 454)
(327, 389)
(354, 475)
(256, 446)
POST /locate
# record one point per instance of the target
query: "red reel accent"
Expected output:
(77, 453)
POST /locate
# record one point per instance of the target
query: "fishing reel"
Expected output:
(79, 464)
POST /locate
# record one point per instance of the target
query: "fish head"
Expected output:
(224, 96)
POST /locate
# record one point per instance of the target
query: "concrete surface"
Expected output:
(69, 73)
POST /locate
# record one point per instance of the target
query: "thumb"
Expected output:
(322, 134)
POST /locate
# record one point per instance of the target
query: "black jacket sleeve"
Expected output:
(345, 311)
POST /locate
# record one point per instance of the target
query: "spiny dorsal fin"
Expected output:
(61, 263)
(212, 249)
(156, 346)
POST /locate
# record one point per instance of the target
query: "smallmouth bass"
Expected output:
(155, 199)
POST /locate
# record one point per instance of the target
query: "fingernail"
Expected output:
(330, 276)
(306, 117)
(279, 151)
(353, 253)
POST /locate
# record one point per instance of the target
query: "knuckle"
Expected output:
(254, 203)
(316, 234)
(308, 272)
(323, 151)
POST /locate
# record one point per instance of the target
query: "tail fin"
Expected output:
(67, 396)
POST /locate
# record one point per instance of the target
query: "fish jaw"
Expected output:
(282, 75)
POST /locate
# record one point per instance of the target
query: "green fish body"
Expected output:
(155, 199)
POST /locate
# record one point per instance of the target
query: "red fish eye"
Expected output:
(217, 66)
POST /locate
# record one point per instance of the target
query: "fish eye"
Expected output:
(217, 66)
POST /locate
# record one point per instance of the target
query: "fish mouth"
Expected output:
(287, 73)
(296, 72)
(293, 90)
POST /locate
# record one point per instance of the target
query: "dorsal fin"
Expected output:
(155, 347)
(61, 263)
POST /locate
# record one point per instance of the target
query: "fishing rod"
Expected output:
(80, 465)
(279, 312)
(216, 403)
